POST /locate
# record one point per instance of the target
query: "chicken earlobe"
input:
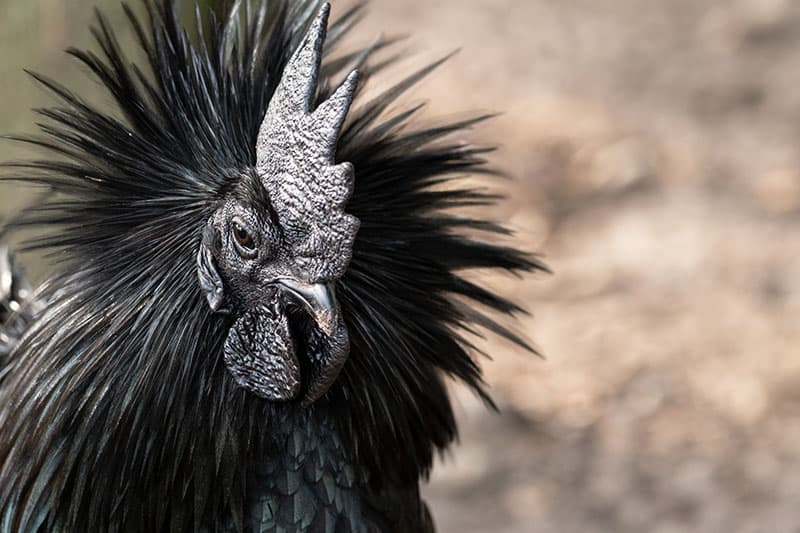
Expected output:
(210, 281)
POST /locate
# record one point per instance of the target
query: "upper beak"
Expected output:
(318, 299)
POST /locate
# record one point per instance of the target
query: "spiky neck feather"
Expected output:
(116, 402)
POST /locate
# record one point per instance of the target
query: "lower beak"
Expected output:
(318, 299)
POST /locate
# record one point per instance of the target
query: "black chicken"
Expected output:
(223, 347)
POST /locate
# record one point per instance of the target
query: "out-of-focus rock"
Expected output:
(778, 191)
(613, 167)
(729, 26)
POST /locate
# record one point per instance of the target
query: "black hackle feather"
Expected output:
(116, 412)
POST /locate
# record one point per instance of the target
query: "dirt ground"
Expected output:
(653, 147)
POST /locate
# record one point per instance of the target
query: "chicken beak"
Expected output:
(318, 299)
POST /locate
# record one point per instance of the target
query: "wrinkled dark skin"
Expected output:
(281, 239)
(246, 270)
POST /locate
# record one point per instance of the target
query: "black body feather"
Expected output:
(116, 413)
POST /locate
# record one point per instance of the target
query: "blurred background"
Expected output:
(654, 150)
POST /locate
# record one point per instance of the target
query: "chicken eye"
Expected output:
(245, 241)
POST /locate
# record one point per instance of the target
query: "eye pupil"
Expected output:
(243, 236)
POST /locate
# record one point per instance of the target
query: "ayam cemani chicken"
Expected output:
(258, 291)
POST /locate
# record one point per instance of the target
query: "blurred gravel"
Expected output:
(654, 147)
(654, 150)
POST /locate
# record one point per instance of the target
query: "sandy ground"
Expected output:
(653, 146)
